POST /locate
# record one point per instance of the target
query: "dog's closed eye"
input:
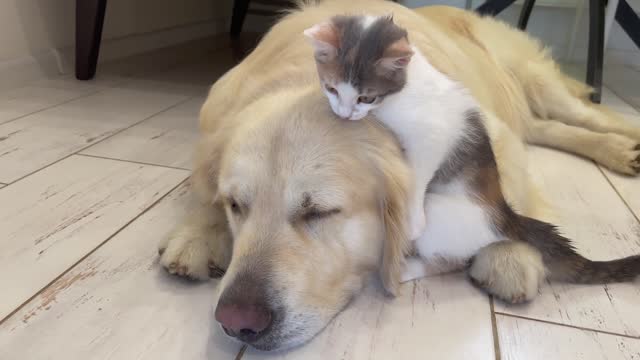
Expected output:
(317, 214)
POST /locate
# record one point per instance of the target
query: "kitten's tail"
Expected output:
(565, 264)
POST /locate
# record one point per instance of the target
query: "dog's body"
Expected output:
(298, 206)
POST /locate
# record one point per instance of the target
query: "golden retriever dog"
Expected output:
(297, 207)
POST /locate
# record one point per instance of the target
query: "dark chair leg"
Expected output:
(525, 13)
(240, 8)
(629, 21)
(89, 20)
(494, 7)
(596, 48)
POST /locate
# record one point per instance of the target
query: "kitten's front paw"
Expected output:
(414, 268)
(417, 224)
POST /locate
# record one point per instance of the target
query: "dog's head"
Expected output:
(315, 204)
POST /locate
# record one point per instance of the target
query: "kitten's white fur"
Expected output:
(429, 117)
(345, 103)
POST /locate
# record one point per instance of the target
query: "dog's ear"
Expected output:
(396, 180)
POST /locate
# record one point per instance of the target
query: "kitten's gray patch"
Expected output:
(360, 50)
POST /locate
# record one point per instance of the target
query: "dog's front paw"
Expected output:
(621, 154)
(509, 270)
(187, 253)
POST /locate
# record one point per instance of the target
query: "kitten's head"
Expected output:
(361, 59)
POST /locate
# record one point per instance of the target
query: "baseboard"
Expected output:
(21, 71)
(622, 57)
(54, 62)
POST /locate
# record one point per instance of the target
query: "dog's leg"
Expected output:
(617, 152)
(550, 97)
(199, 247)
(510, 270)
(570, 110)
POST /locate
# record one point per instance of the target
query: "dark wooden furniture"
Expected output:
(89, 20)
(242, 7)
(625, 16)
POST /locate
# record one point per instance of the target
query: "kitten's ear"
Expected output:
(324, 39)
(396, 56)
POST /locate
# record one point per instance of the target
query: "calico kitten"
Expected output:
(366, 64)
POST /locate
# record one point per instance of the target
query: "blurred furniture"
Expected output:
(241, 8)
(600, 23)
(89, 20)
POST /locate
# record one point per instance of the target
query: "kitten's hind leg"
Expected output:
(510, 270)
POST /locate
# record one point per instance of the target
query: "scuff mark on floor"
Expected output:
(49, 295)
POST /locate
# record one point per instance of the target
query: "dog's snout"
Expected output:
(243, 309)
(245, 322)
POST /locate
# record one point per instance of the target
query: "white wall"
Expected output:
(35, 31)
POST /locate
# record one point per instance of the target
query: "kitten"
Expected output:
(366, 64)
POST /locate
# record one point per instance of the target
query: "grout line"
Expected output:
(624, 201)
(91, 252)
(569, 326)
(56, 105)
(188, 97)
(494, 327)
(621, 97)
(241, 352)
(131, 161)
(101, 140)
(101, 88)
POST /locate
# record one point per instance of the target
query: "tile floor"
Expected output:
(92, 175)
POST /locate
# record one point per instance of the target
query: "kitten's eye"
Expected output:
(331, 90)
(366, 99)
(235, 207)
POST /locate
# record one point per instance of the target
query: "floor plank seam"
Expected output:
(55, 106)
(189, 97)
(494, 328)
(131, 161)
(621, 97)
(241, 352)
(85, 256)
(568, 325)
(624, 201)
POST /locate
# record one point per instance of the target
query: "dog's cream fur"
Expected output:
(270, 139)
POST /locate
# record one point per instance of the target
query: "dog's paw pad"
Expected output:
(215, 271)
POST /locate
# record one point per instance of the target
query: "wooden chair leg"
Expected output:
(240, 8)
(525, 13)
(629, 21)
(89, 21)
(596, 48)
(493, 7)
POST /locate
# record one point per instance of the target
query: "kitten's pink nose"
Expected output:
(345, 112)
